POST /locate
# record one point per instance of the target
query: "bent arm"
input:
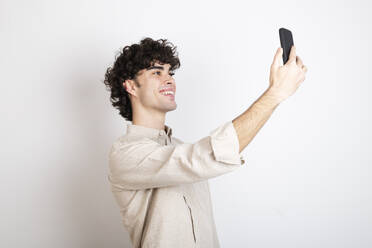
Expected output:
(144, 163)
(250, 122)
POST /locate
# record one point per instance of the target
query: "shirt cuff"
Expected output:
(225, 144)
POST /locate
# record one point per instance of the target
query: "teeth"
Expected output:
(167, 93)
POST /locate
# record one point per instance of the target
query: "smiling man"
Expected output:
(160, 183)
(155, 96)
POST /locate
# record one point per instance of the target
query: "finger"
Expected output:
(277, 58)
(299, 61)
(292, 55)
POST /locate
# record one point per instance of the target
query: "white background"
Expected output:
(307, 180)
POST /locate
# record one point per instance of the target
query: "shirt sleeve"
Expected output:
(144, 163)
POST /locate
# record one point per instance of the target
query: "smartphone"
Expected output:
(286, 42)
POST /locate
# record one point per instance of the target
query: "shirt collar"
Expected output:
(149, 131)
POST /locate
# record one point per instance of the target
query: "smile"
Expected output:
(167, 93)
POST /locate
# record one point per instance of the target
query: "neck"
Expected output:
(151, 119)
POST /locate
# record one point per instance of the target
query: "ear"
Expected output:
(128, 85)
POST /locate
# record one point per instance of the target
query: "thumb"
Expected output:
(292, 55)
(277, 58)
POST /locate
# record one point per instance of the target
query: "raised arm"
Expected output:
(284, 81)
(143, 163)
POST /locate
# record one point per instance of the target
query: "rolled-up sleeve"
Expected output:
(144, 163)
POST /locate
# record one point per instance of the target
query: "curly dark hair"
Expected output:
(131, 60)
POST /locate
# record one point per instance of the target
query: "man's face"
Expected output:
(156, 82)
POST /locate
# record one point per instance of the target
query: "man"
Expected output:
(159, 182)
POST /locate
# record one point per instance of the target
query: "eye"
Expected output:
(159, 72)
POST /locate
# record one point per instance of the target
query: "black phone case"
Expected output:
(286, 42)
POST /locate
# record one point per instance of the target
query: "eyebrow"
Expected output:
(155, 67)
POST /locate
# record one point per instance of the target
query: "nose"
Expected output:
(170, 80)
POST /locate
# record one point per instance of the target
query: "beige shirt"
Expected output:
(161, 184)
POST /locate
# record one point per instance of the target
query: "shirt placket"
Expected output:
(163, 137)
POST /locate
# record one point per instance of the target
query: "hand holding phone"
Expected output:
(284, 80)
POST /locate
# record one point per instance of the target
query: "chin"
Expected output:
(172, 108)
